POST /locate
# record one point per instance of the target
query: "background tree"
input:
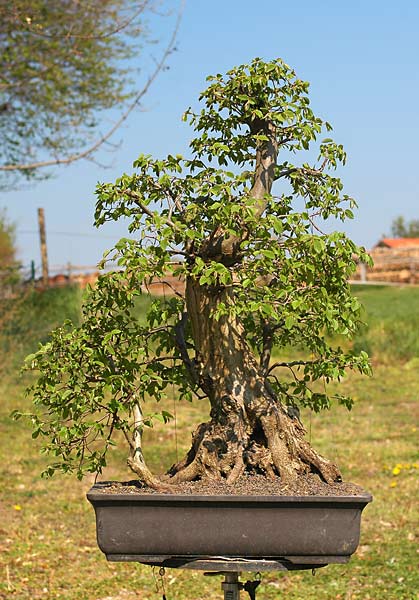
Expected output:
(8, 260)
(402, 229)
(260, 275)
(63, 64)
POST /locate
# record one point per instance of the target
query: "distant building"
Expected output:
(398, 243)
(396, 260)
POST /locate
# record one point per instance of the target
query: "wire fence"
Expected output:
(17, 278)
(389, 269)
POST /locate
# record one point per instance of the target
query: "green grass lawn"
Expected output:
(392, 317)
(47, 530)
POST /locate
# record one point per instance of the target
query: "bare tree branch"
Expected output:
(94, 147)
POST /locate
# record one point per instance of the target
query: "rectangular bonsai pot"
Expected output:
(310, 529)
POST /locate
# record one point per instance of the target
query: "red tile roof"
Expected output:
(398, 242)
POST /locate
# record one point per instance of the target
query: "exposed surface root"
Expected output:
(272, 444)
(216, 453)
(145, 475)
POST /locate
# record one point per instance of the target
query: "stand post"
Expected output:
(231, 586)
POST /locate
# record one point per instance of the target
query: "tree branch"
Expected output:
(294, 363)
(267, 340)
(226, 249)
(132, 194)
(181, 345)
(169, 285)
(94, 147)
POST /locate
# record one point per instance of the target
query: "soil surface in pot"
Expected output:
(247, 485)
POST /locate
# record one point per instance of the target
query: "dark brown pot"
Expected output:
(175, 529)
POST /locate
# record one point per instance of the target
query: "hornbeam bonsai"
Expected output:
(240, 221)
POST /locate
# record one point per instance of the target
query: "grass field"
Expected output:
(392, 316)
(47, 531)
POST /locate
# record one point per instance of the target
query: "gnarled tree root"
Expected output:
(145, 476)
(272, 444)
(262, 438)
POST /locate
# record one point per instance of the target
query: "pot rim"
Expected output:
(96, 494)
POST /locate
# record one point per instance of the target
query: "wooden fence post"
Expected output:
(43, 241)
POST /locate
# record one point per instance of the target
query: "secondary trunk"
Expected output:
(250, 429)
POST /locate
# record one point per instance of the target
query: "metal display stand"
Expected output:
(231, 586)
(226, 564)
(230, 569)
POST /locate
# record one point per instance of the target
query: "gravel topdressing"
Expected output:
(247, 485)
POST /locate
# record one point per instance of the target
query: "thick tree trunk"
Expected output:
(250, 429)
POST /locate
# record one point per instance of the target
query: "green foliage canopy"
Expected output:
(288, 278)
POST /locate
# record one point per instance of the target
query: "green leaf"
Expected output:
(290, 321)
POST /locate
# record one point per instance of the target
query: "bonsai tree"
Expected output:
(240, 222)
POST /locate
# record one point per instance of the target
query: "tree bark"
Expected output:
(250, 429)
(136, 460)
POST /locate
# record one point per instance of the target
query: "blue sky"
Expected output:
(361, 59)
